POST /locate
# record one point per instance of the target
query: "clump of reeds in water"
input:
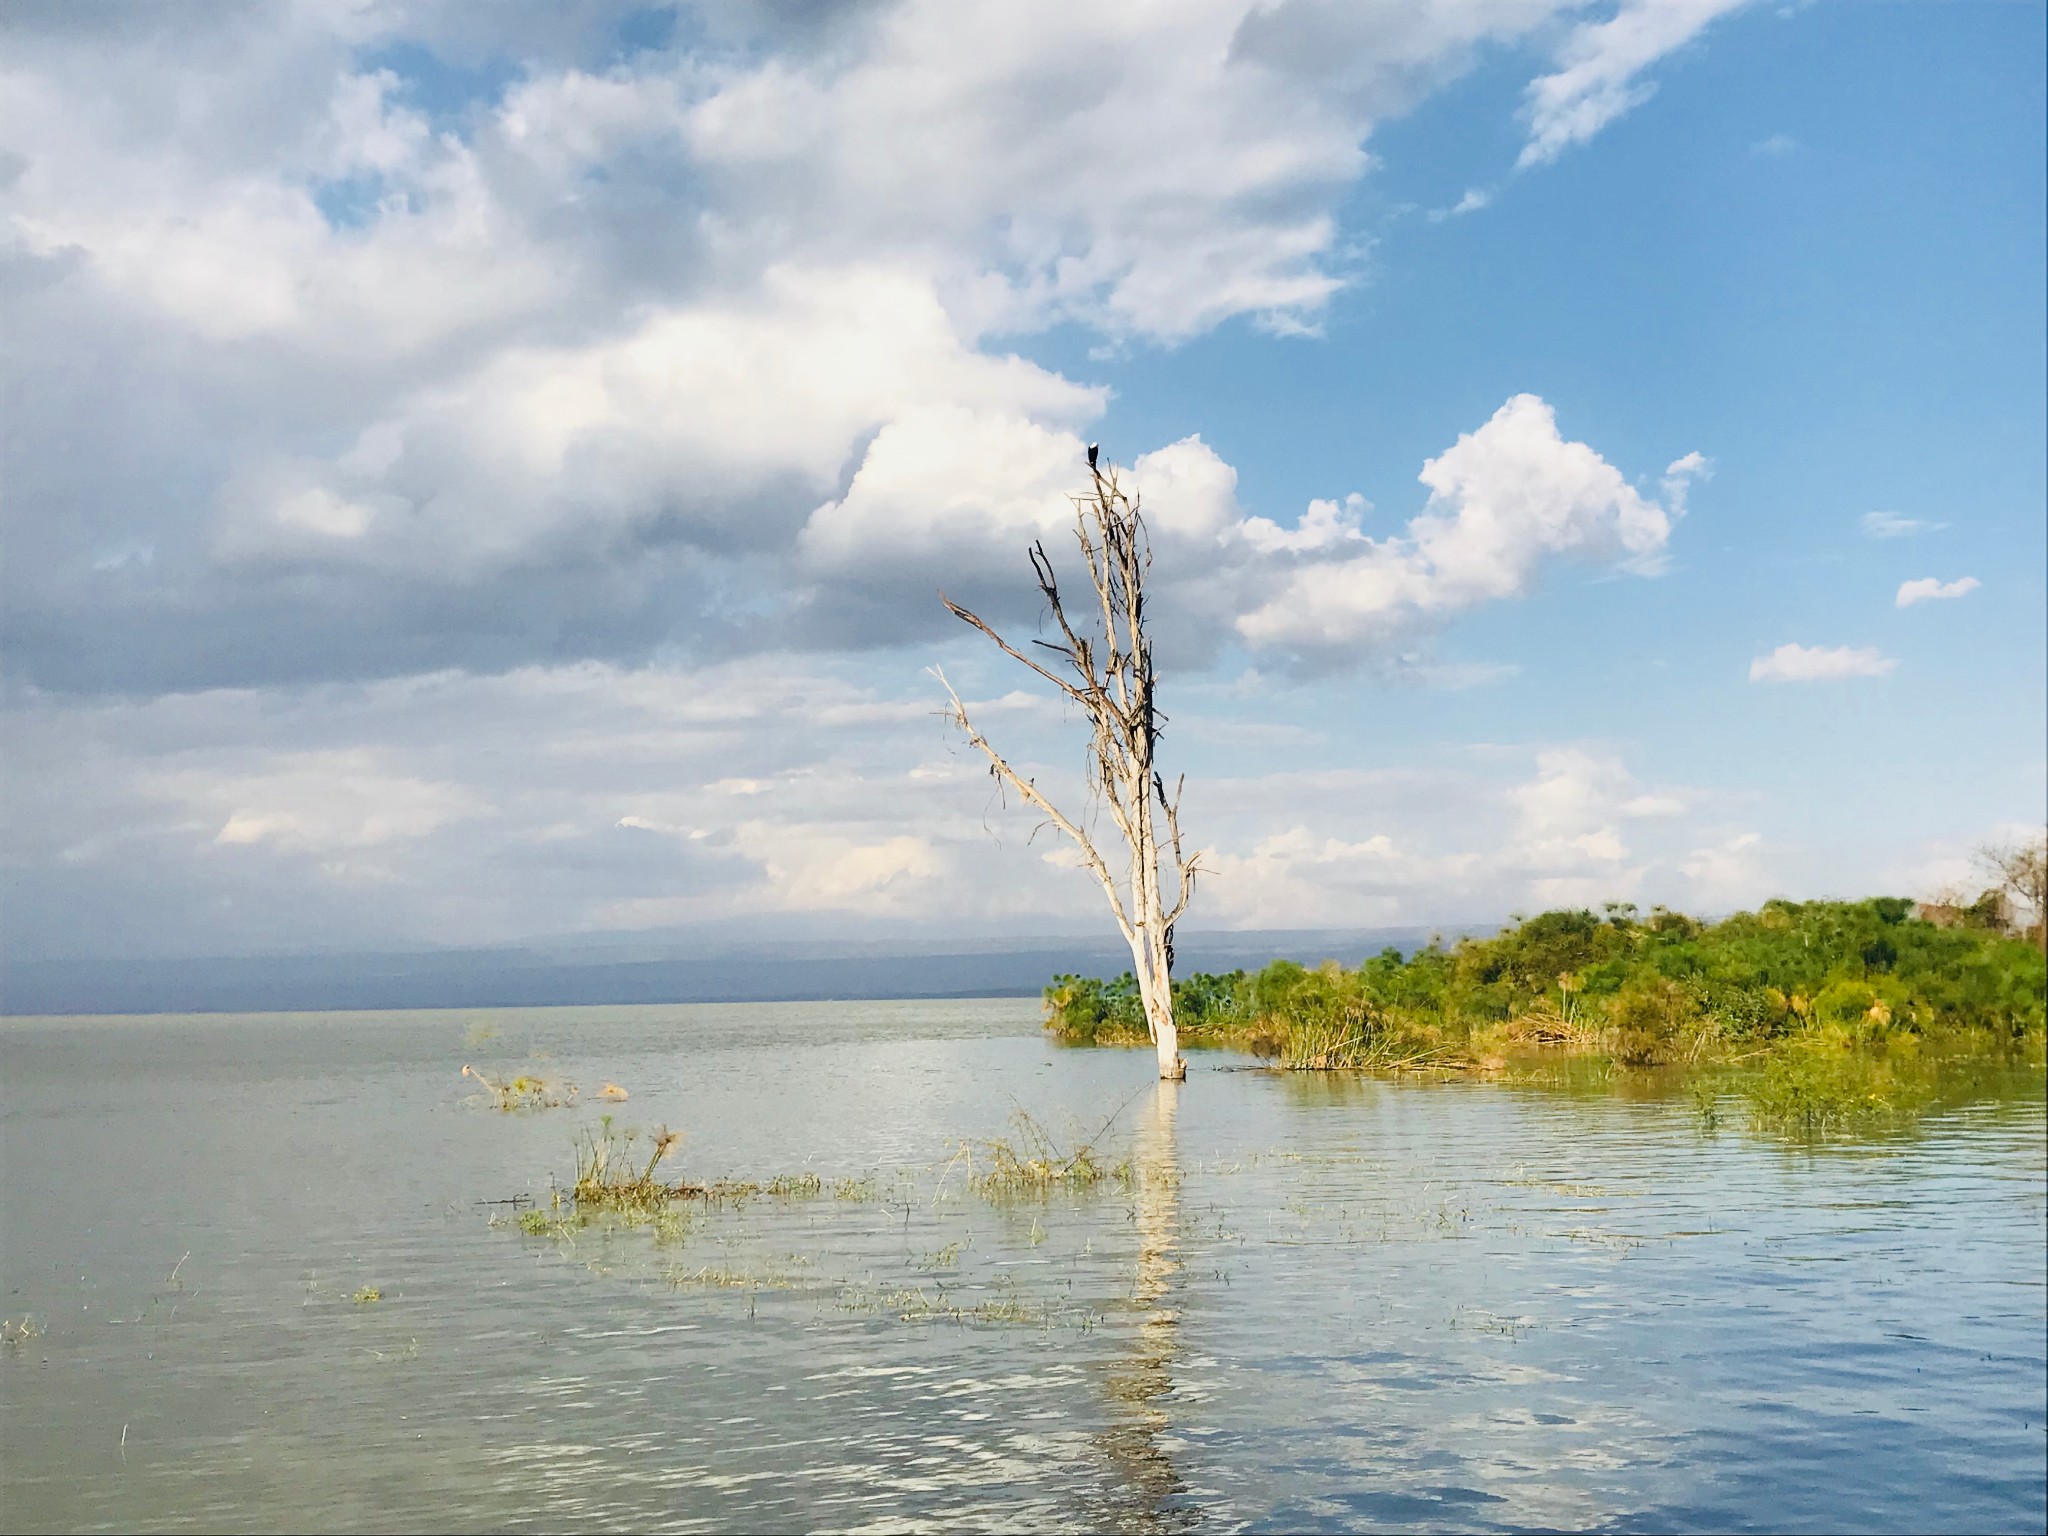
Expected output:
(618, 1182)
(1358, 1038)
(1818, 1089)
(525, 1091)
(1034, 1164)
(609, 1175)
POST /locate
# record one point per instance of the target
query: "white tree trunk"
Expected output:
(1150, 941)
(1155, 991)
(1165, 1037)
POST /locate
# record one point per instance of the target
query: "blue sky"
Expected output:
(1817, 255)
(480, 472)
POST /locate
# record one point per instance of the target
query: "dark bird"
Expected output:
(1093, 449)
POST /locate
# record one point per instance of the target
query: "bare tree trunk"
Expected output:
(1109, 673)
(2021, 869)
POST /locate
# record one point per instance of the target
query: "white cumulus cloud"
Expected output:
(1793, 663)
(950, 497)
(1502, 499)
(1929, 589)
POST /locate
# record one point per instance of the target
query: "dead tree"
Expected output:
(2021, 868)
(1104, 665)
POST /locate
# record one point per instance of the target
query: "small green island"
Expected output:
(1825, 1016)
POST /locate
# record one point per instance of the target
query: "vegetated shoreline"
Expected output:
(1825, 1016)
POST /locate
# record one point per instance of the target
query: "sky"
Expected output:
(481, 472)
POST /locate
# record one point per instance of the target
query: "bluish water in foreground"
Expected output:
(1316, 1304)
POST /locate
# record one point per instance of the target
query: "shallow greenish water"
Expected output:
(1315, 1304)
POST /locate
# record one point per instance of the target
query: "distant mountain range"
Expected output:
(577, 972)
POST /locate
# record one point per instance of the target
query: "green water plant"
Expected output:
(619, 1181)
(525, 1091)
(610, 1175)
(1821, 1086)
(1033, 1164)
(726, 1278)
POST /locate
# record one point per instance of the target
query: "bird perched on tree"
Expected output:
(1093, 449)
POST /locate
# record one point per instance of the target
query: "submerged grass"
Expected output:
(1035, 1165)
(1007, 1307)
(1812, 1090)
(1824, 1087)
(724, 1278)
(619, 1182)
(624, 1189)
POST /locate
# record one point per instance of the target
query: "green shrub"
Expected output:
(1667, 987)
(1648, 1018)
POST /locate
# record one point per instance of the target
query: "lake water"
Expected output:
(1315, 1304)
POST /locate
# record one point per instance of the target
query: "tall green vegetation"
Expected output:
(1790, 988)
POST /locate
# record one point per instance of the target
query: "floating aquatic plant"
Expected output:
(525, 1091)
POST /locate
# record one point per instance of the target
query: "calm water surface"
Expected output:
(1314, 1304)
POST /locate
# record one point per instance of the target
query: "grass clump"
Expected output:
(784, 1186)
(619, 1182)
(723, 1278)
(609, 1175)
(915, 1304)
(1033, 1164)
(1822, 1087)
(525, 1091)
(1315, 1035)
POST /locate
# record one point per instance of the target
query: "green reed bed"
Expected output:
(1821, 1016)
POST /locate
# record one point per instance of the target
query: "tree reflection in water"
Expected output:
(1139, 1381)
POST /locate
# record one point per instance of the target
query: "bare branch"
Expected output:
(2021, 870)
(1031, 794)
(1079, 652)
(1011, 651)
(1189, 866)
